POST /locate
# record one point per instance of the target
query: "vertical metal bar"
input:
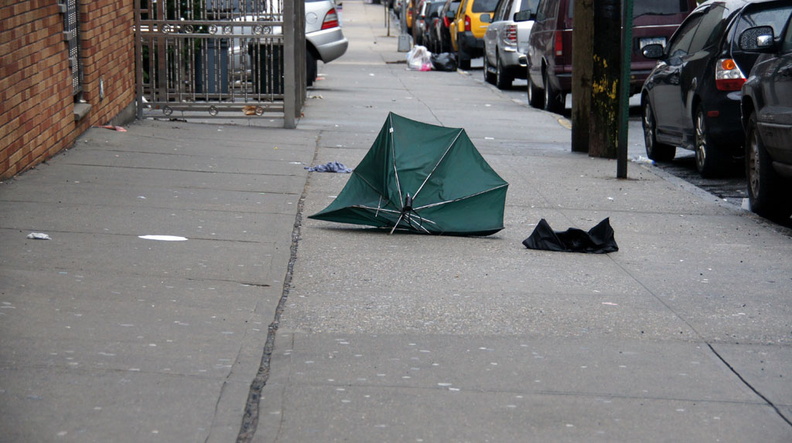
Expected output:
(289, 66)
(138, 62)
(624, 89)
(162, 54)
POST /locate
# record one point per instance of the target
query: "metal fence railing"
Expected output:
(220, 58)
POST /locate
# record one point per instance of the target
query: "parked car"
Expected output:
(324, 38)
(767, 119)
(431, 19)
(506, 42)
(692, 97)
(550, 46)
(468, 27)
(409, 14)
(323, 35)
(422, 20)
(440, 29)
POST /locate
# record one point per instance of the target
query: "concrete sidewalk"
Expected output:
(682, 335)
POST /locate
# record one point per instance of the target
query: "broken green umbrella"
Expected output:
(422, 178)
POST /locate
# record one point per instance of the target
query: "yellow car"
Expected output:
(468, 27)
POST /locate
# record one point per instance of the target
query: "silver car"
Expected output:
(506, 42)
(324, 38)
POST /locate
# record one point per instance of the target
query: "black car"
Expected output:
(441, 37)
(431, 21)
(692, 97)
(767, 118)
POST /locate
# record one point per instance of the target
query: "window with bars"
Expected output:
(72, 38)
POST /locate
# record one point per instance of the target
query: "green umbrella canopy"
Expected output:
(423, 178)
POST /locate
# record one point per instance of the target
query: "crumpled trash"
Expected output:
(598, 240)
(329, 167)
(39, 236)
(419, 59)
(114, 128)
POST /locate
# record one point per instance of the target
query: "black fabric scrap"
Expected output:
(598, 240)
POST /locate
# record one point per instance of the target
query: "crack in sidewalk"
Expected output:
(250, 418)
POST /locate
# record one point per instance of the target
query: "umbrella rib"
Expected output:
(393, 160)
(448, 149)
(431, 205)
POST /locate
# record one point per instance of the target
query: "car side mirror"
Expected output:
(758, 39)
(486, 18)
(524, 16)
(653, 51)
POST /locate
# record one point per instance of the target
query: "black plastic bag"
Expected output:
(598, 240)
(445, 61)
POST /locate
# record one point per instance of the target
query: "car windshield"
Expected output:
(484, 5)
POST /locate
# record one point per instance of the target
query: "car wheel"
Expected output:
(489, 77)
(710, 161)
(311, 68)
(660, 152)
(535, 95)
(764, 184)
(553, 100)
(502, 79)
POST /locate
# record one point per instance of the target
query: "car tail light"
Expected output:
(330, 20)
(467, 23)
(728, 76)
(559, 45)
(510, 35)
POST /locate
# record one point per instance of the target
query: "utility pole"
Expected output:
(624, 90)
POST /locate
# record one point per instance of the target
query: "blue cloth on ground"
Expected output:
(329, 167)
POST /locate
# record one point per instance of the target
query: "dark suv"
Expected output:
(767, 118)
(692, 97)
(550, 46)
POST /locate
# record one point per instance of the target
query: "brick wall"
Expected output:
(37, 106)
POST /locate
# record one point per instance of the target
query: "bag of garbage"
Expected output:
(419, 59)
(445, 61)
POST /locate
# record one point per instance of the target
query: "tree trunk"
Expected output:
(604, 123)
(582, 52)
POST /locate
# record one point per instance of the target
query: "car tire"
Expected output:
(535, 94)
(502, 79)
(765, 186)
(311, 68)
(710, 161)
(659, 152)
(553, 100)
(489, 77)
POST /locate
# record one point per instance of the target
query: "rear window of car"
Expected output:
(484, 5)
(775, 17)
(659, 7)
(653, 7)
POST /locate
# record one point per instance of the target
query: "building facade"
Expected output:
(65, 65)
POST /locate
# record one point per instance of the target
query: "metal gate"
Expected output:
(220, 59)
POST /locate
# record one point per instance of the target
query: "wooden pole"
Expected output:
(582, 51)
